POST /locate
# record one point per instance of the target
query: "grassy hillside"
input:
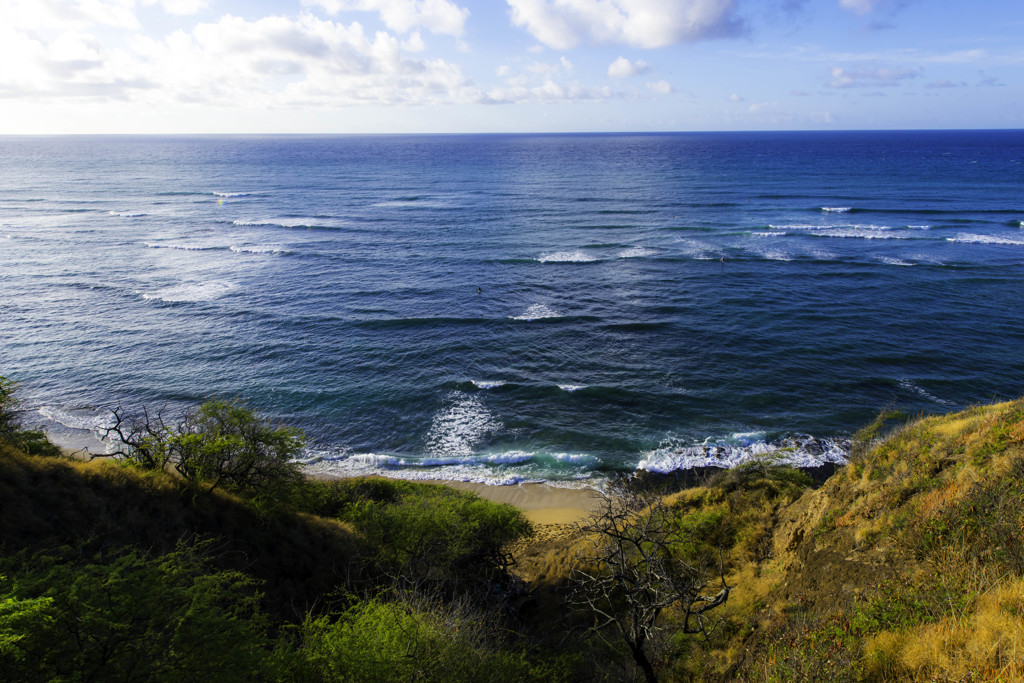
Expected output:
(907, 564)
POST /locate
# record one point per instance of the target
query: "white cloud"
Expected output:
(660, 87)
(860, 6)
(563, 24)
(623, 68)
(736, 98)
(945, 83)
(271, 62)
(61, 15)
(437, 16)
(179, 7)
(861, 78)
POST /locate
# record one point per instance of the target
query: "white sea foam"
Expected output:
(577, 256)
(191, 291)
(572, 387)
(460, 427)
(506, 458)
(234, 194)
(488, 384)
(301, 222)
(799, 451)
(967, 238)
(919, 227)
(891, 261)
(183, 246)
(836, 209)
(767, 234)
(575, 458)
(259, 249)
(910, 386)
(126, 214)
(537, 312)
(860, 233)
(636, 252)
(85, 419)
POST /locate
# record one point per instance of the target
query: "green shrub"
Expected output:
(127, 617)
(222, 444)
(409, 640)
(422, 530)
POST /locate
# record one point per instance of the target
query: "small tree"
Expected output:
(12, 432)
(632, 571)
(223, 443)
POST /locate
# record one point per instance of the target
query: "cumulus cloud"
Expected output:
(62, 15)
(735, 98)
(623, 68)
(563, 24)
(660, 87)
(873, 78)
(179, 7)
(274, 61)
(436, 16)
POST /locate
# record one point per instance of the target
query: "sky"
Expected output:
(473, 66)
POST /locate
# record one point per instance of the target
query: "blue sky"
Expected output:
(449, 66)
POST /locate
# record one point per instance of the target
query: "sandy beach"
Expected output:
(540, 503)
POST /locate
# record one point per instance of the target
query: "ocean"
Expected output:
(509, 308)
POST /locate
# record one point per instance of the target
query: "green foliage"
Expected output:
(127, 617)
(412, 639)
(222, 444)
(29, 441)
(423, 530)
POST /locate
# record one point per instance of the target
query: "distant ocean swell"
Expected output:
(519, 308)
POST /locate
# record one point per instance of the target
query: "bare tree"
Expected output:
(632, 571)
(218, 443)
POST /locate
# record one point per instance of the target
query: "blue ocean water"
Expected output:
(505, 308)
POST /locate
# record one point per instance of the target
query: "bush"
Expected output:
(409, 639)
(222, 444)
(422, 531)
(127, 617)
(29, 441)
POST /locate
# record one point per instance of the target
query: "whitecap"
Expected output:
(191, 291)
(572, 387)
(966, 238)
(575, 458)
(577, 256)
(537, 312)
(301, 222)
(767, 234)
(859, 233)
(798, 451)
(488, 384)
(636, 252)
(506, 458)
(910, 386)
(186, 246)
(836, 209)
(459, 427)
(233, 194)
(919, 227)
(891, 261)
(126, 214)
(259, 249)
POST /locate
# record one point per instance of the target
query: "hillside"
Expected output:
(907, 564)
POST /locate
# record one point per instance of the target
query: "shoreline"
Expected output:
(542, 504)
